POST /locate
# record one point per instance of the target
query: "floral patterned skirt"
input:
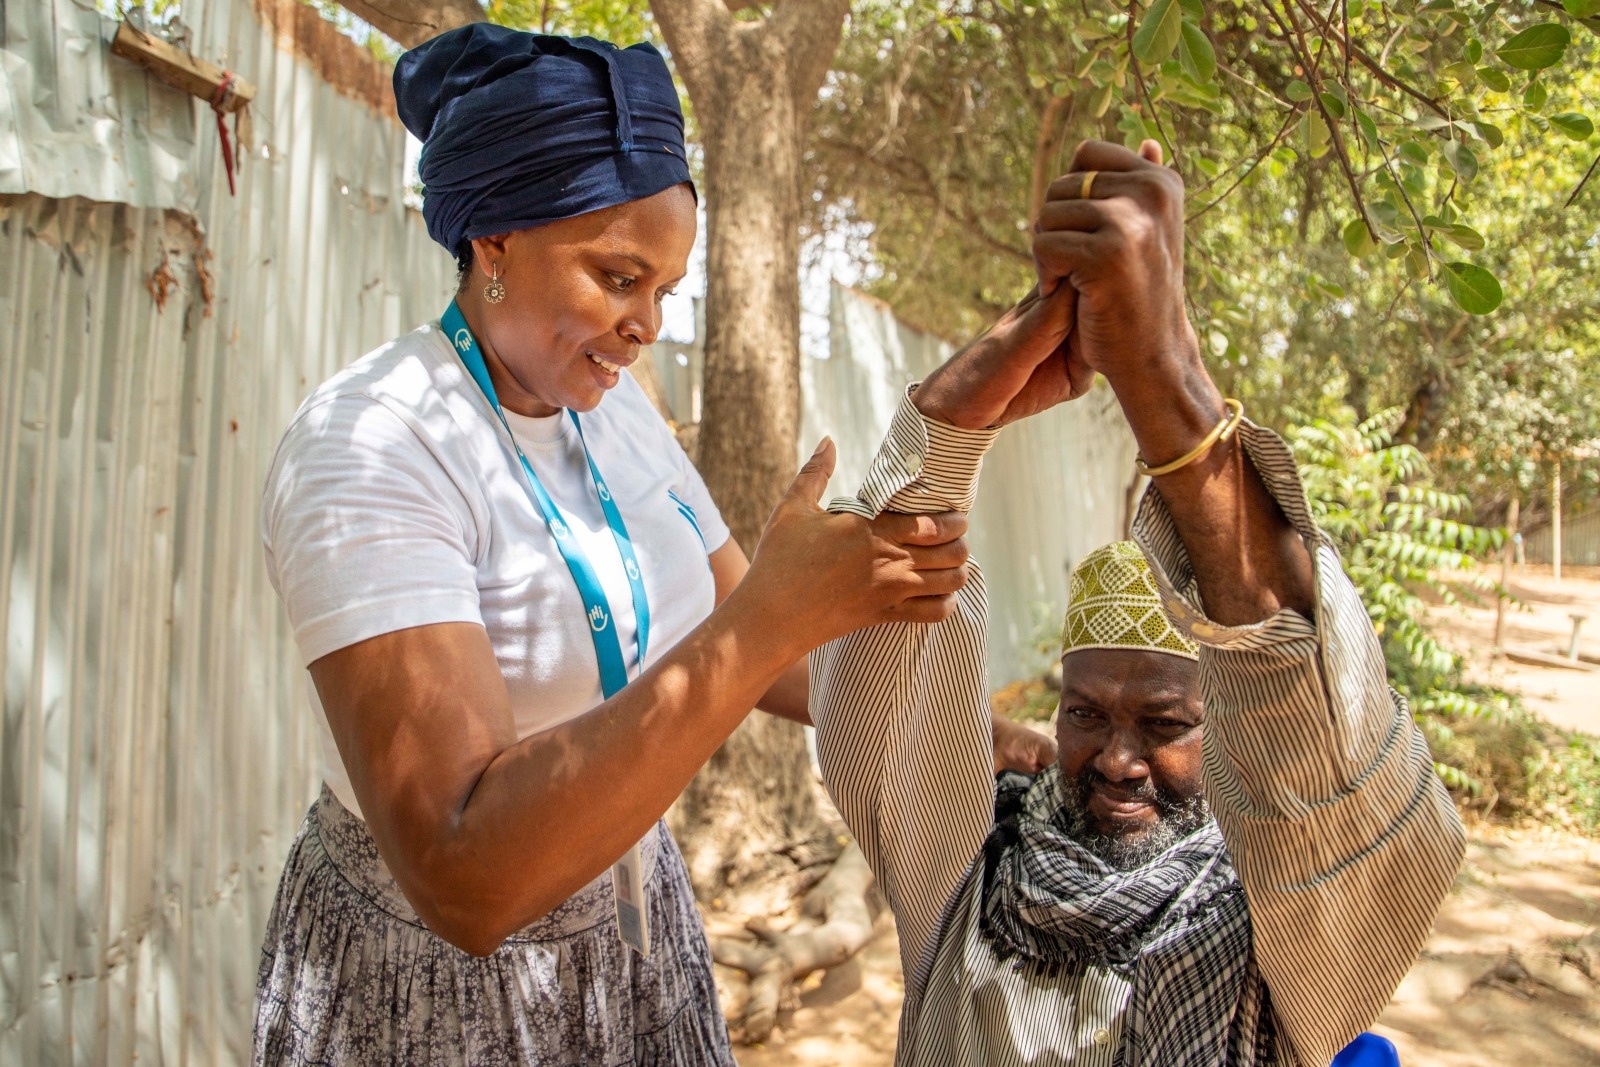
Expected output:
(350, 975)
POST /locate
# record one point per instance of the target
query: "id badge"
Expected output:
(627, 883)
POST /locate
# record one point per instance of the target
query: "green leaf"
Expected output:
(1494, 79)
(1474, 51)
(1462, 160)
(1298, 91)
(1315, 130)
(1534, 96)
(1195, 54)
(1582, 9)
(1574, 124)
(1358, 239)
(1535, 48)
(1414, 152)
(1417, 262)
(1491, 134)
(1369, 129)
(1463, 72)
(1333, 104)
(1208, 167)
(1464, 236)
(1475, 290)
(1100, 100)
(1158, 33)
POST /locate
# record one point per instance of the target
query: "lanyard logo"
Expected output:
(598, 619)
(558, 528)
(633, 571)
(463, 339)
(600, 487)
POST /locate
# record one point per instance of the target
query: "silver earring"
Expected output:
(494, 292)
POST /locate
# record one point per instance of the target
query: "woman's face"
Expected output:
(582, 296)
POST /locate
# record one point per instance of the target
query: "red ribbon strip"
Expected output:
(224, 90)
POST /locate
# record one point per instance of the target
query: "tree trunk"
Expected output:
(752, 84)
(410, 22)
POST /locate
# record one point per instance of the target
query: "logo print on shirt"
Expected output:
(598, 620)
(633, 571)
(463, 339)
(558, 528)
(600, 487)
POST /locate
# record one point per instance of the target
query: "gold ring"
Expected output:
(1088, 184)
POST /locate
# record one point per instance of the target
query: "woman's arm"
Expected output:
(788, 695)
(485, 833)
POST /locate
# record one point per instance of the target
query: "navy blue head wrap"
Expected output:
(520, 129)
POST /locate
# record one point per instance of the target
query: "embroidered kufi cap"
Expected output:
(1112, 602)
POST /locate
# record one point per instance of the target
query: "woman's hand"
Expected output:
(1019, 367)
(819, 576)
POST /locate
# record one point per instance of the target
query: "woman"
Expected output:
(524, 622)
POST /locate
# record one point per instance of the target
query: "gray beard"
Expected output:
(1179, 817)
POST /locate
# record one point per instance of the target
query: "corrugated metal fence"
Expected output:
(155, 337)
(1580, 541)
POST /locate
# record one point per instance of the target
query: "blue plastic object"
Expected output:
(1368, 1050)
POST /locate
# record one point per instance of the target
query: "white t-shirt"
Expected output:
(395, 500)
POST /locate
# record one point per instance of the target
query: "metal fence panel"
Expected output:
(1580, 541)
(155, 751)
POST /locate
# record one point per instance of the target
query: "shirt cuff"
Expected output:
(922, 467)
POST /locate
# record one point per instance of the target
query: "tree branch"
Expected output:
(697, 32)
(1046, 147)
(809, 31)
(929, 192)
(1314, 72)
(1374, 65)
(1590, 24)
(410, 22)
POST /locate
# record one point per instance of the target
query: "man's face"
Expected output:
(1129, 733)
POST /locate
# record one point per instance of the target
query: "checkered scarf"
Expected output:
(1178, 928)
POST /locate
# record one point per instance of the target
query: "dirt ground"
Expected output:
(1511, 974)
(1541, 624)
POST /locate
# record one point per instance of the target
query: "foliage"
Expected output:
(1517, 766)
(1398, 537)
(1408, 102)
(1344, 207)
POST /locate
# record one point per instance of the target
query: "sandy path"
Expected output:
(1511, 975)
(1542, 623)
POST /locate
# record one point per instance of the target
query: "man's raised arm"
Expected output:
(901, 711)
(1343, 837)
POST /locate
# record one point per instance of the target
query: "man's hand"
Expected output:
(1020, 748)
(1121, 250)
(1019, 367)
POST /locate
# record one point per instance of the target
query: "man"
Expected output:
(1242, 844)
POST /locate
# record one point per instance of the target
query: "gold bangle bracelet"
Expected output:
(1219, 433)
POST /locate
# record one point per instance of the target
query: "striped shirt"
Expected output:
(1344, 839)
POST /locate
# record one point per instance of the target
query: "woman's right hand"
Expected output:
(820, 575)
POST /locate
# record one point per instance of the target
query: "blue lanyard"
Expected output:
(602, 626)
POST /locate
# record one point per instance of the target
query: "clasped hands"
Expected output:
(1109, 299)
